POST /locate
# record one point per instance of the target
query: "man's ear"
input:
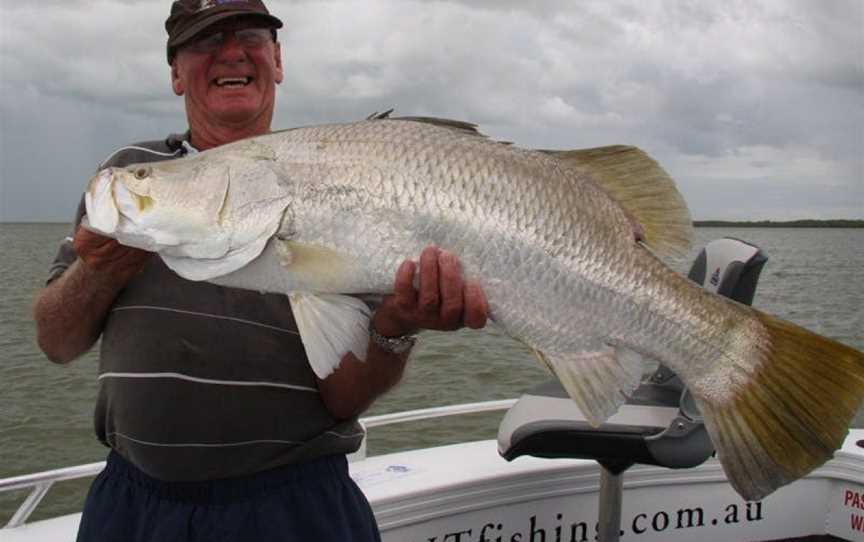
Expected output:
(278, 75)
(176, 82)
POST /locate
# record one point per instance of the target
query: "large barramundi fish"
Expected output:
(322, 211)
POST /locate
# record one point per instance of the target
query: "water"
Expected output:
(814, 277)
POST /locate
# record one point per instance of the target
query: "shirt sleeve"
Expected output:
(66, 252)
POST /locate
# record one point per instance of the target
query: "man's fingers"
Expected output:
(429, 296)
(450, 284)
(106, 255)
(445, 300)
(87, 241)
(403, 287)
(476, 310)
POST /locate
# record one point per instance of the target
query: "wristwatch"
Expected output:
(394, 345)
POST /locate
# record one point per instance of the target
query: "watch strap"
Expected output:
(394, 345)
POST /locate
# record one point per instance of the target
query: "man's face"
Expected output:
(229, 82)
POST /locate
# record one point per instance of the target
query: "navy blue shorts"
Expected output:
(307, 502)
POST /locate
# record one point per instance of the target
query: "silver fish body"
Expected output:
(335, 209)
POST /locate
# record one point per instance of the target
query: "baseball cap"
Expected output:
(189, 17)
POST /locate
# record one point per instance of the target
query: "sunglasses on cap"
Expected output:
(247, 38)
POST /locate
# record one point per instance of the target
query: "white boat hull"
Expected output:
(468, 493)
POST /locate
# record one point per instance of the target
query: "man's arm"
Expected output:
(70, 312)
(444, 301)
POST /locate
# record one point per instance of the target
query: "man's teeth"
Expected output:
(232, 81)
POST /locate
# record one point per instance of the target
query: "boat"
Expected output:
(467, 492)
(646, 475)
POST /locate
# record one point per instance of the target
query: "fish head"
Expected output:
(204, 215)
(160, 208)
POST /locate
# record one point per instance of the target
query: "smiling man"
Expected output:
(217, 425)
(226, 68)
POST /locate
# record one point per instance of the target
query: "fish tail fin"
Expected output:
(790, 413)
(643, 189)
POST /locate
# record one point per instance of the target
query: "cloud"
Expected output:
(734, 97)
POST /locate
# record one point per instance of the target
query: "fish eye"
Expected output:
(142, 172)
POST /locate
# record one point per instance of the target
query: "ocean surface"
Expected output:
(814, 277)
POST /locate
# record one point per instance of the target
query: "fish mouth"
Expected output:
(233, 82)
(102, 213)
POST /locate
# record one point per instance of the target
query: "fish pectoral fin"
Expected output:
(599, 381)
(326, 268)
(330, 326)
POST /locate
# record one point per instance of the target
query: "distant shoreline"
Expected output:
(779, 224)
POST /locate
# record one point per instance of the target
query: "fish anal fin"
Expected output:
(330, 326)
(644, 190)
(788, 415)
(598, 381)
(541, 359)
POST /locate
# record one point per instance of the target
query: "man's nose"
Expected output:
(231, 50)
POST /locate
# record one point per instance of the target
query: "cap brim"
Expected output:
(193, 30)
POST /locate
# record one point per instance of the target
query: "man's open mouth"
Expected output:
(232, 82)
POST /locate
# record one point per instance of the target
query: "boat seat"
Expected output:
(659, 424)
(651, 428)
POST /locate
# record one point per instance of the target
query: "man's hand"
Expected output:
(70, 311)
(444, 301)
(106, 256)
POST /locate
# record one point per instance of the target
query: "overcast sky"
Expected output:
(756, 108)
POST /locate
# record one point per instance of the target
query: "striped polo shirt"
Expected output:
(200, 382)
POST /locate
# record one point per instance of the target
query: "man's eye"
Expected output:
(252, 36)
(211, 40)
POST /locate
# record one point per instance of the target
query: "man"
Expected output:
(218, 428)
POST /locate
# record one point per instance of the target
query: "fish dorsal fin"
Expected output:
(452, 124)
(642, 188)
(458, 125)
(600, 381)
(255, 149)
(330, 326)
